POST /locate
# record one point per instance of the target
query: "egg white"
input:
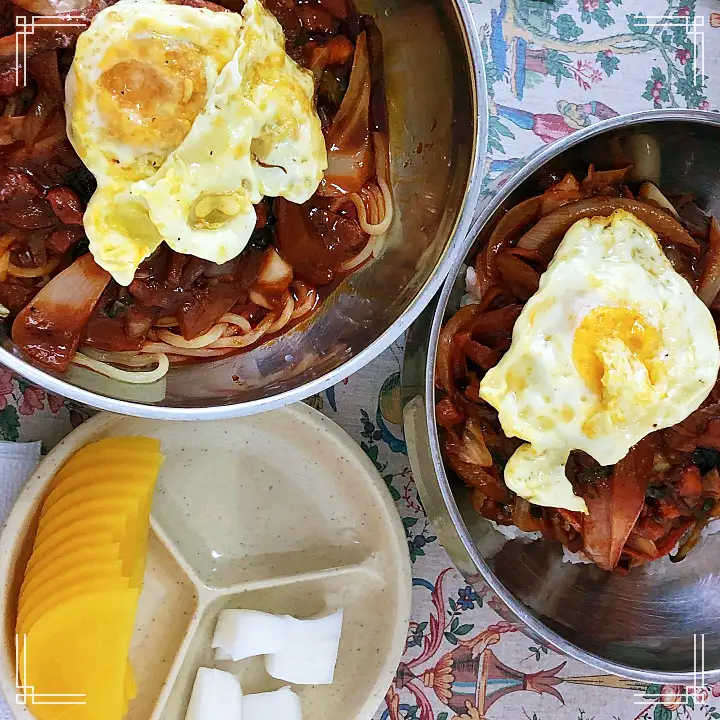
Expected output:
(537, 388)
(187, 118)
(258, 135)
(127, 47)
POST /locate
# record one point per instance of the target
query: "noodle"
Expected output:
(285, 316)
(240, 341)
(378, 200)
(178, 341)
(136, 378)
(125, 358)
(308, 302)
(167, 349)
(238, 320)
(360, 258)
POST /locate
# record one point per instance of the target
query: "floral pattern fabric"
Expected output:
(553, 67)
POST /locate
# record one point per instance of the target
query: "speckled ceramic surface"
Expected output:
(279, 512)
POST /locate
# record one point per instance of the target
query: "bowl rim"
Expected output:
(448, 260)
(533, 163)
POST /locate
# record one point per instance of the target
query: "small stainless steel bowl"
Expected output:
(438, 131)
(643, 626)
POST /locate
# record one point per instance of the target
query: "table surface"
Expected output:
(553, 66)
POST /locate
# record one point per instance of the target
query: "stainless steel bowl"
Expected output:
(642, 626)
(438, 131)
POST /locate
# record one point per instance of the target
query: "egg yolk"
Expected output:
(616, 323)
(151, 92)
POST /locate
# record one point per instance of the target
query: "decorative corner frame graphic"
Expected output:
(25, 27)
(23, 691)
(696, 691)
(692, 26)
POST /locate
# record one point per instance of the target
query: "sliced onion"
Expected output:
(510, 225)
(445, 366)
(474, 448)
(547, 233)
(50, 326)
(598, 182)
(710, 280)
(127, 376)
(645, 155)
(255, 297)
(614, 505)
(518, 276)
(285, 315)
(274, 272)
(652, 192)
(363, 256)
(351, 161)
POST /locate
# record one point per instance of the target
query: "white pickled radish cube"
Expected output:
(241, 634)
(310, 651)
(282, 704)
(216, 695)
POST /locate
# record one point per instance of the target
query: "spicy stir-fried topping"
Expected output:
(667, 488)
(180, 306)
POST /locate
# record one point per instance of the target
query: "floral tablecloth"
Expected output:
(553, 66)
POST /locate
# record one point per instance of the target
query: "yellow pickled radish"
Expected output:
(64, 657)
(79, 595)
(130, 684)
(91, 485)
(101, 490)
(85, 555)
(114, 511)
(67, 546)
(97, 585)
(109, 450)
(106, 452)
(126, 518)
(75, 579)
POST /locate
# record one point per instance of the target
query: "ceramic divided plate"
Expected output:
(280, 512)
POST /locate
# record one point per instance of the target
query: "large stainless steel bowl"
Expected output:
(641, 626)
(438, 130)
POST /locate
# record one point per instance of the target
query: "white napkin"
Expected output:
(17, 461)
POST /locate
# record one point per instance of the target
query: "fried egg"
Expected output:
(613, 346)
(141, 74)
(187, 118)
(258, 135)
